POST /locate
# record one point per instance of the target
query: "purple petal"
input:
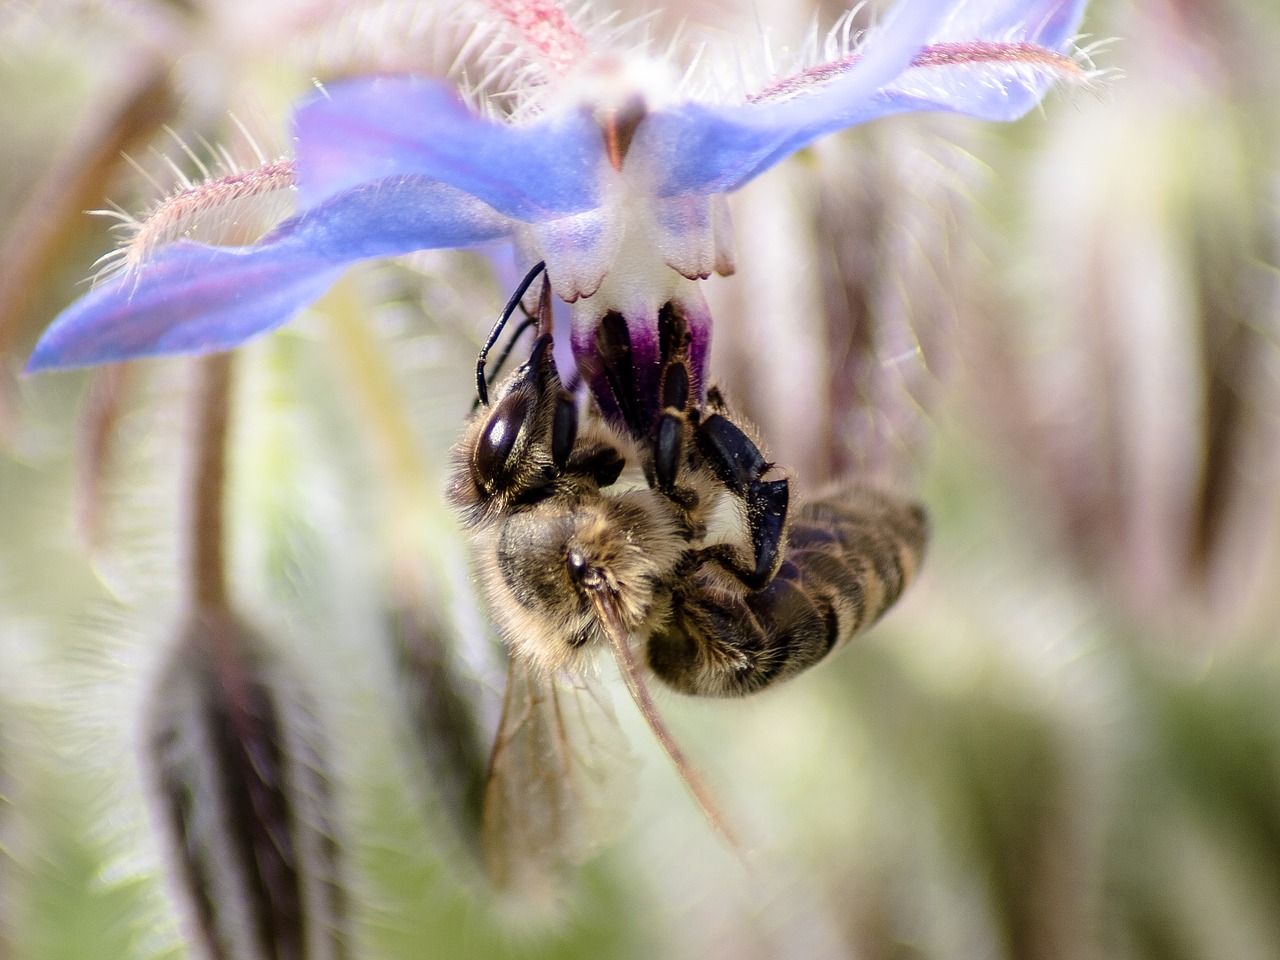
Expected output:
(193, 298)
(706, 149)
(372, 128)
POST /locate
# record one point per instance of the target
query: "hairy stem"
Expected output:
(99, 417)
(206, 563)
(44, 233)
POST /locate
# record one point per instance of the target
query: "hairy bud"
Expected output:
(443, 711)
(243, 799)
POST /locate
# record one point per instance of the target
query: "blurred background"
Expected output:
(1063, 334)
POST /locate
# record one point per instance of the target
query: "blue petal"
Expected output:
(1049, 23)
(371, 128)
(193, 298)
(707, 149)
(987, 91)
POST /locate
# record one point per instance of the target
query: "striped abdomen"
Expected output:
(848, 559)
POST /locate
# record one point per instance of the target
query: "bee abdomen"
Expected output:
(854, 554)
(849, 557)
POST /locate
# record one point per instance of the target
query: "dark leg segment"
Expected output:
(848, 560)
(670, 439)
(739, 465)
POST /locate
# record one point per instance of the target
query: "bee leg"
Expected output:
(739, 465)
(671, 446)
(672, 427)
(711, 646)
(724, 645)
(682, 439)
(766, 510)
(736, 460)
(670, 434)
(849, 559)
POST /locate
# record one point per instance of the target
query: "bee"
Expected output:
(695, 555)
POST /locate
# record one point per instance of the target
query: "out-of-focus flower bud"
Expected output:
(443, 708)
(244, 802)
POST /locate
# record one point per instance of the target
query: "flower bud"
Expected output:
(243, 799)
(444, 716)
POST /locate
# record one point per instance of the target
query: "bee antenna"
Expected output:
(528, 321)
(630, 671)
(482, 388)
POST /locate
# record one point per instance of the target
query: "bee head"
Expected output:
(518, 445)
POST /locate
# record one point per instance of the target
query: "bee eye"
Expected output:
(582, 571)
(498, 439)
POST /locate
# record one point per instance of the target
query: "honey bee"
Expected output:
(694, 555)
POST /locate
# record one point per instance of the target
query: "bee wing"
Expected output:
(558, 783)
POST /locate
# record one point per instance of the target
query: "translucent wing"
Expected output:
(560, 781)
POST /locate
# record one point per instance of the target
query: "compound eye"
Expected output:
(489, 463)
(581, 572)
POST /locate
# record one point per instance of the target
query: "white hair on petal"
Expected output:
(376, 36)
(502, 77)
(224, 202)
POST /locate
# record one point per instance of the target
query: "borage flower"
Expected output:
(612, 177)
